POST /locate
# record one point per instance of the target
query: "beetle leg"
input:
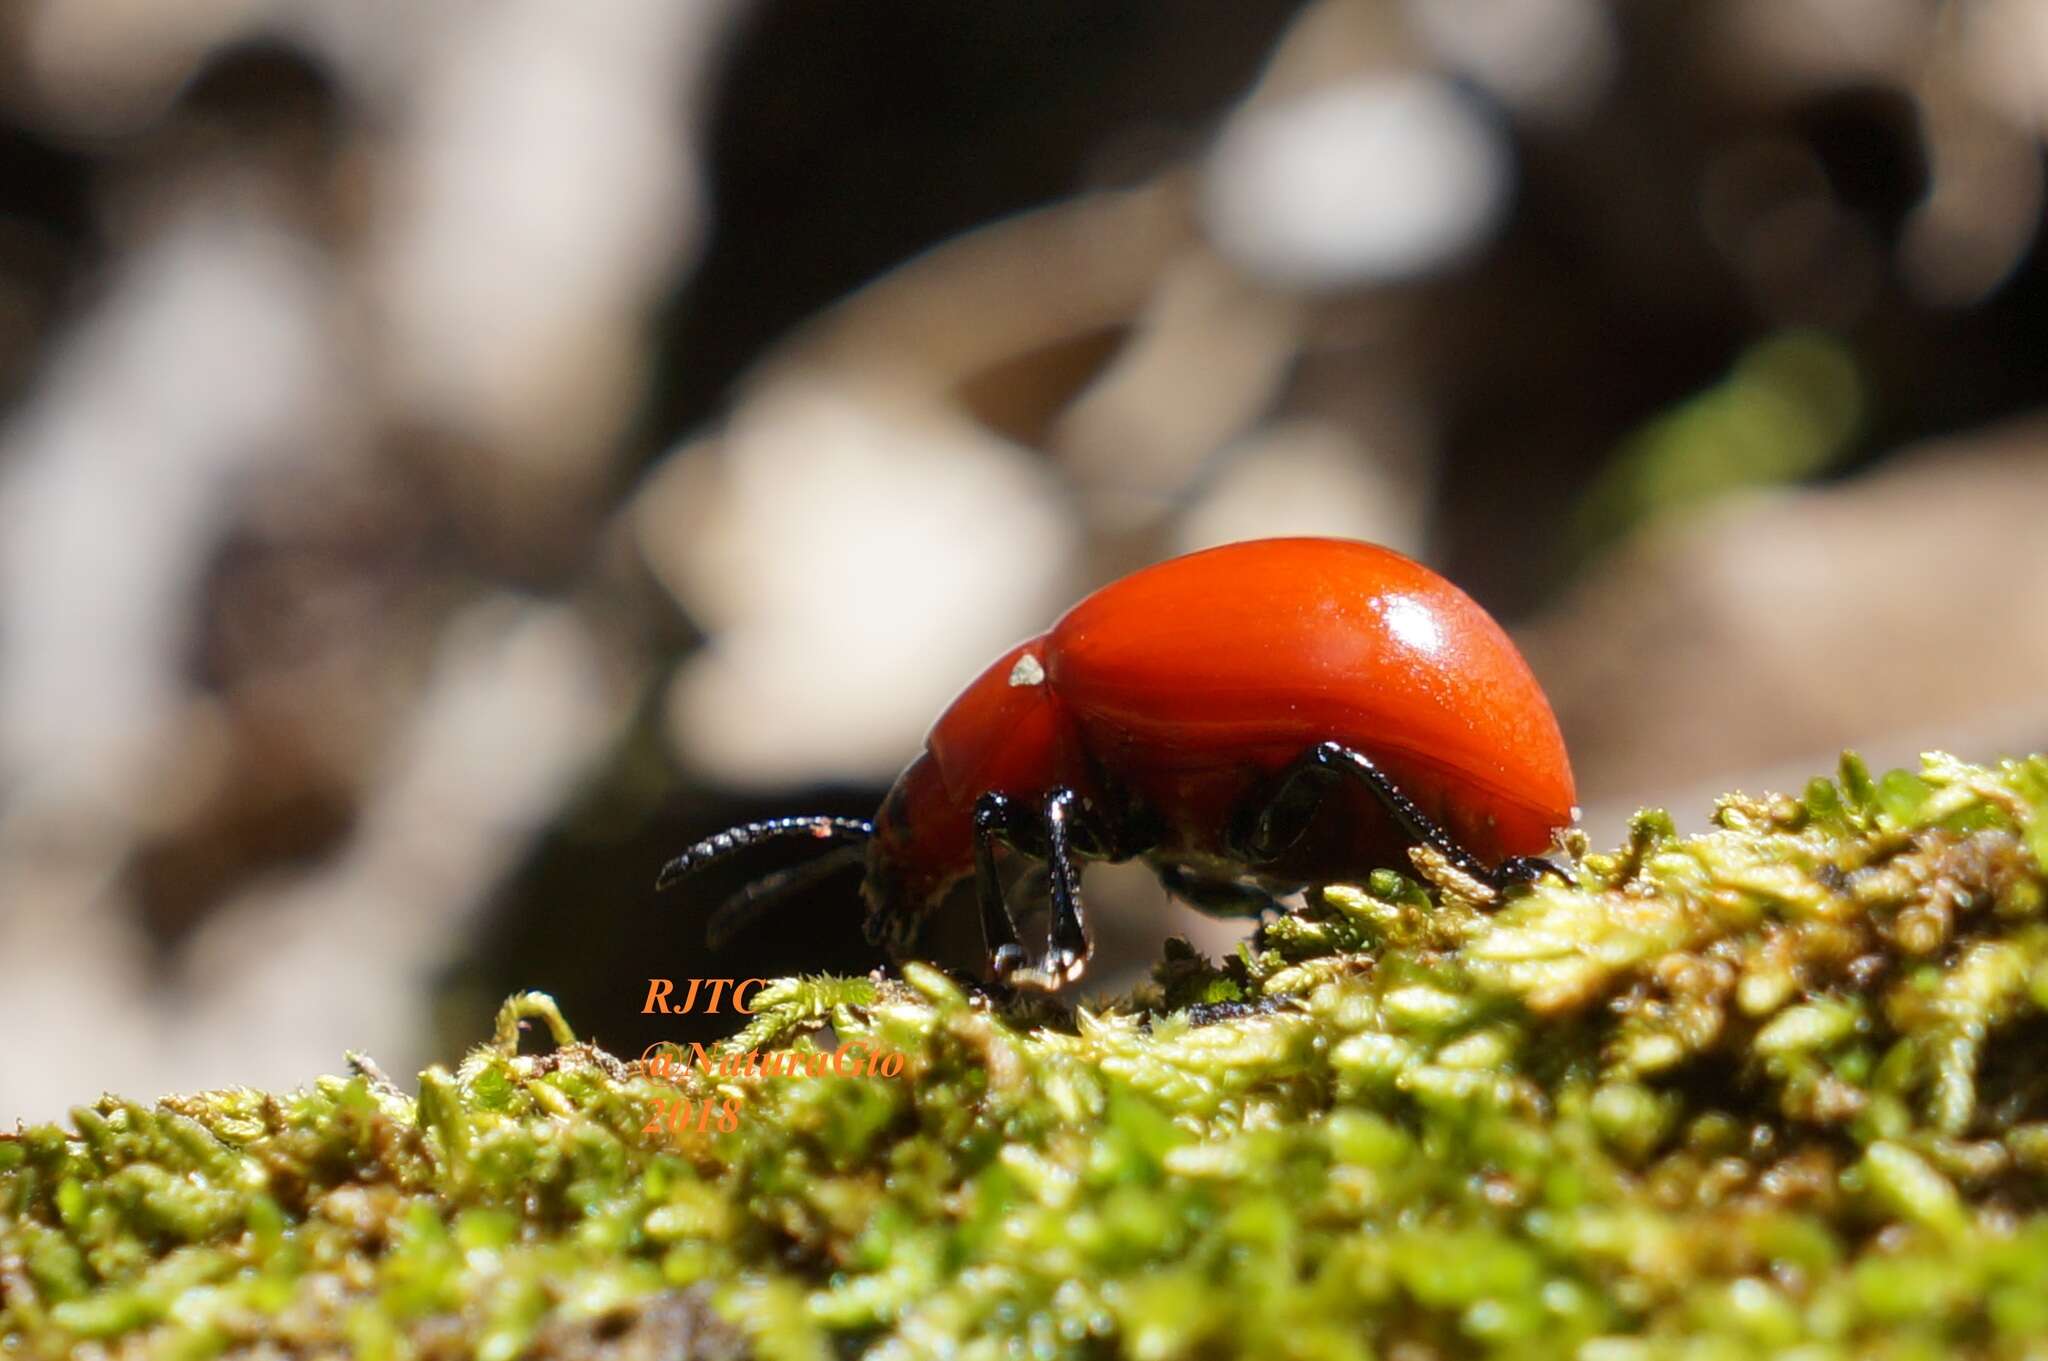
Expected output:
(1325, 759)
(994, 816)
(1265, 828)
(1066, 935)
(998, 818)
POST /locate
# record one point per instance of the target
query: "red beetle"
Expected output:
(1249, 719)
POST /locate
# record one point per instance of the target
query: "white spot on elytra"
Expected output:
(1027, 671)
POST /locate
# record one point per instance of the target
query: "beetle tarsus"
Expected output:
(1050, 975)
(1527, 869)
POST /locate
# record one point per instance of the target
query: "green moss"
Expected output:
(1777, 1089)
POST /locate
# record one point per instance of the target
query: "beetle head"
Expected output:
(922, 846)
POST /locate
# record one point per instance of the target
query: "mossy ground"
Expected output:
(1780, 1089)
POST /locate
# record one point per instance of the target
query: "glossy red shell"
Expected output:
(1247, 654)
(1188, 683)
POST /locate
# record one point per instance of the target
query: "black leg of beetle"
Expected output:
(1217, 897)
(1262, 840)
(995, 817)
(1066, 936)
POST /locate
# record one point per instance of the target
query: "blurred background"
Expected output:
(453, 456)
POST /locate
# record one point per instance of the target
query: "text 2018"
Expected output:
(680, 1115)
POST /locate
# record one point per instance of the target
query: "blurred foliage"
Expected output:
(1761, 1089)
(1786, 412)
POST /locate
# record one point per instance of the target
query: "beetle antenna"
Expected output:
(753, 902)
(717, 847)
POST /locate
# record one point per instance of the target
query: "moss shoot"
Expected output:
(1779, 1089)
